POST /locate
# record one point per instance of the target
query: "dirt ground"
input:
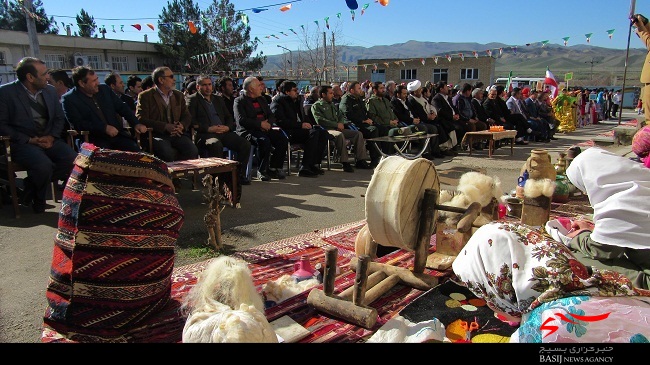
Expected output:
(269, 211)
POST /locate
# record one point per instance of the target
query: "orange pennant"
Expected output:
(286, 7)
(192, 27)
(150, 26)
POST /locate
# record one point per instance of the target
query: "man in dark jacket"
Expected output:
(290, 116)
(256, 122)
(354, 111)
(95, 108)
(216, 126)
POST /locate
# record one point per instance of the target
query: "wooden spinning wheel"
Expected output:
(401, 211)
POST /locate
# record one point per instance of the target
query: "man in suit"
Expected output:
(31, 115)
(95, 108)
(256, 122)
(164, 109)
(643, 31)
(216, 126)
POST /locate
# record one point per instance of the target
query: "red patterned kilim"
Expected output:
(269, 262)
(114, 250)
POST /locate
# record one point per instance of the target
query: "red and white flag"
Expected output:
(551, 82)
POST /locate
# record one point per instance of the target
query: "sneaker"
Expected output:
(347, 167)
(307, 173)
(262, 176)
(276, 174)
(362, 164)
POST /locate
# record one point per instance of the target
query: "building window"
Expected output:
(3, 60)
(120, 63)
(144, 64)
(55, 61)
(93, 62)
(410, 74)
(469, 74)
(440, 74)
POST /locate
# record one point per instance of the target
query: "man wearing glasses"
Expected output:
(216, 126)
(163, 108)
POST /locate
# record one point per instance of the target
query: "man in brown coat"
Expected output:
(164, 109)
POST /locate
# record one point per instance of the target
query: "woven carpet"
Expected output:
(269, 262)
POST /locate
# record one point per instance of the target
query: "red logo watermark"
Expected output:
(562, 317)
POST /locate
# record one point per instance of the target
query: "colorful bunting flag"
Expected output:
(258, 10)
(475, 54)
(423, 61)
(588, 35)
(544, 43)
(462, 56)
(285, 8)
(365, 6)
(293, 31)
(566, 40)
(257, 40)
(137, 26)
(327, 22)
(121, 28)
(448, 57)
(316, 21)
(435, 60)
(352, 12)
(489, 52)
(374, 66)
(284, 34)
(610, 33)
(244, 19)
(338, 15)
(150, 26)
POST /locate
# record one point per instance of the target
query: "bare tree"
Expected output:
(315, 54)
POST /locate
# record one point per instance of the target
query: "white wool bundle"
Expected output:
(226, 280)
(224, 306)
(535, 188)
(480, 187)
(285, 287)
(243, 325)
(400, 330)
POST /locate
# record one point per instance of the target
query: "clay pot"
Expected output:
(561, 192)
(539, 165)
(561, 164)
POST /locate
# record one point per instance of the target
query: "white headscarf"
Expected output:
(619, 192)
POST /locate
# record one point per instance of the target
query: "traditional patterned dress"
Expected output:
(564, 106)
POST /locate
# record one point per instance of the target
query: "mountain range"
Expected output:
(588, 63)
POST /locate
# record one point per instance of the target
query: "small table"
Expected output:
(208, 165)
(405, 141)
(471, 137)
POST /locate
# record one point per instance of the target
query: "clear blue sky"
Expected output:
(513, 22)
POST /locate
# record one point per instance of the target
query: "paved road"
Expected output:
(269, 211)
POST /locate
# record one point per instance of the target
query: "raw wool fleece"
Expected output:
(285, 287)
(535, 188)
(472, 187)
(225, 306)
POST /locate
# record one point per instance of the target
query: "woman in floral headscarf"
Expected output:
(528, 277)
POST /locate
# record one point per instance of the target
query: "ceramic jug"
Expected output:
(539, 165)
(561, 192)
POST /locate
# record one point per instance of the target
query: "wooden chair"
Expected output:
(8, 166)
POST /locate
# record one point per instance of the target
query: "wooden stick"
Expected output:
(419, 281)
(361, 316)
(359, 292)
(380, 289)
(373, 279)
(329, 272)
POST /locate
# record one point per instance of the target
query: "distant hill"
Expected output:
(528, 61)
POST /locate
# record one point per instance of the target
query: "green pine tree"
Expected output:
(12, 17)
(86, 24)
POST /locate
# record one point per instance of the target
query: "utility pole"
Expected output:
(31, 31)
(592, 67)
(334, 78)
(324, 56)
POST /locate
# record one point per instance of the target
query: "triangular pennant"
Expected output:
(448, 57)
(588, 35)
(489, 52)
(192, 26)
(327, 22)
(462, 56)
(258, 10)
(352, 12)
(423, 61)
(285, 7)
(403, 64)
(544, 43)
(566, 40)
(113, 28)
(121, 28)
(610, 33)
(475, 54)
(365, 67)
(137, 26)
(374, 66)
(435, 60)
(284, 34)
(338, 15)
(257, 40)
(363, 9)
(293, 31)
(387, 64)
(316, 21)
(500, 51)
(275, 36)
(244, 19)
(150, 26)
(302, 26)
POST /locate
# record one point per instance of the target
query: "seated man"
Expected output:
(328, 115)
(216, 126)
(517, 110)
(255, 122)
(163, 108)
(497, 111)
(354, 111)
(420, 107)
(95, 108)
(406, 118)
(290, 116)
(35, 131)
